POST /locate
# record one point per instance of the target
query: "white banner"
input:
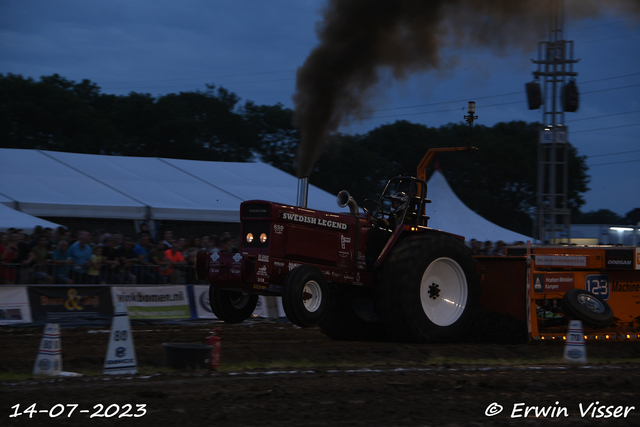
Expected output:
(14, 305)
(153, 302)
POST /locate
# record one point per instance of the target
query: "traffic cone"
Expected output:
(121, 355)
(49, 360)
(574, 348)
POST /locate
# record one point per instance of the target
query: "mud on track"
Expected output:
(275, 374)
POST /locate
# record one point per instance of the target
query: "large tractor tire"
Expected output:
(304, 296)
(231, 306)
(429, 289)
(580, 304)
(350, 316)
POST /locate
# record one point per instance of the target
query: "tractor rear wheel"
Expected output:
(304, 296)
(231, 306)
(429, 289)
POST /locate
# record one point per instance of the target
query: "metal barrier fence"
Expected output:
(20, 274)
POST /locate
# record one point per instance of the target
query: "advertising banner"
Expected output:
(619, 259)
(14, 305)
(70, 303)
(153, 302)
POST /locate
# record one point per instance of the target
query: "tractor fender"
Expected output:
(402, 231)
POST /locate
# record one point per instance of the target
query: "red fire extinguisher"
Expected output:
(214, 341)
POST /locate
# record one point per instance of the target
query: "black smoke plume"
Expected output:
(359, 39)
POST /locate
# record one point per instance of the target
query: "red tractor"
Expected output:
(379, 274)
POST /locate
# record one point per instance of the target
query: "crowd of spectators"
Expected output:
(62, 257)
(488, 248)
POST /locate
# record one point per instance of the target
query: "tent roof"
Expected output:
(12, 218)
(57, 184)
(449, 214)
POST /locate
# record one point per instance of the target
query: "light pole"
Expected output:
(470, 118)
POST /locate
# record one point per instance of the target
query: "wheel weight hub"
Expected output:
(434, 291)
(306, 296)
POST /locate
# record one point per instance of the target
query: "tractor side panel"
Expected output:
(312, 244)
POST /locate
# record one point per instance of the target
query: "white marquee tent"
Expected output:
(56, 184)
(449, 214)
(11, 218)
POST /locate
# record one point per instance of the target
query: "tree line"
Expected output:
(498, 181)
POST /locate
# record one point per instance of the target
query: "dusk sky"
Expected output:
(253, 48)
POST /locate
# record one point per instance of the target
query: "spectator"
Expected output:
(500, 248)
(39, 256)
(235, 245)
(191, 250)
(32, 243)
(8, 253)
(129, 259)
(176, 259)
(118, 240)
(475, 247)
(80, 252)
(140, 269)
(94, 268)
(488, 248)
(22, 253)
(16, 252)
(48, 233)
(204, 243)
(214, 243)
(182, 242)
(225, 244)
(194, 246)
(110, 260)
(58, 235)
(156, 256)
(144, 228)
(61, 264)
(168, 238)
(191, 255)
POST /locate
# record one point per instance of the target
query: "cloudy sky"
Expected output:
(254, 47)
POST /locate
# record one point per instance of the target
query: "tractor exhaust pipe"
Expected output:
(345, 199)
(303, 192)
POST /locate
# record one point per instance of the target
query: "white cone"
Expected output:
(49, 360)
(121, 355)
(574, 348)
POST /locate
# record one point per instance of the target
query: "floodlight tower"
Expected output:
(555, 64)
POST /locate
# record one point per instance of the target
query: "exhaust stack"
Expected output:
(345, 199)
(303, 192)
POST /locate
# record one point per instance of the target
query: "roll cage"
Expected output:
(402, 201)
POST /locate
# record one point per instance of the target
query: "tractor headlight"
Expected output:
(255, 234)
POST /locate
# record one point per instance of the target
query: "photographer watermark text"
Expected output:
(584, 410)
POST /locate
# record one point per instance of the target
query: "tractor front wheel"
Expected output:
(231, 306)
(304, 296)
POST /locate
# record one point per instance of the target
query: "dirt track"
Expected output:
(279, 375)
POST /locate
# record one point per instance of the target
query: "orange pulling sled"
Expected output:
(546, 286)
